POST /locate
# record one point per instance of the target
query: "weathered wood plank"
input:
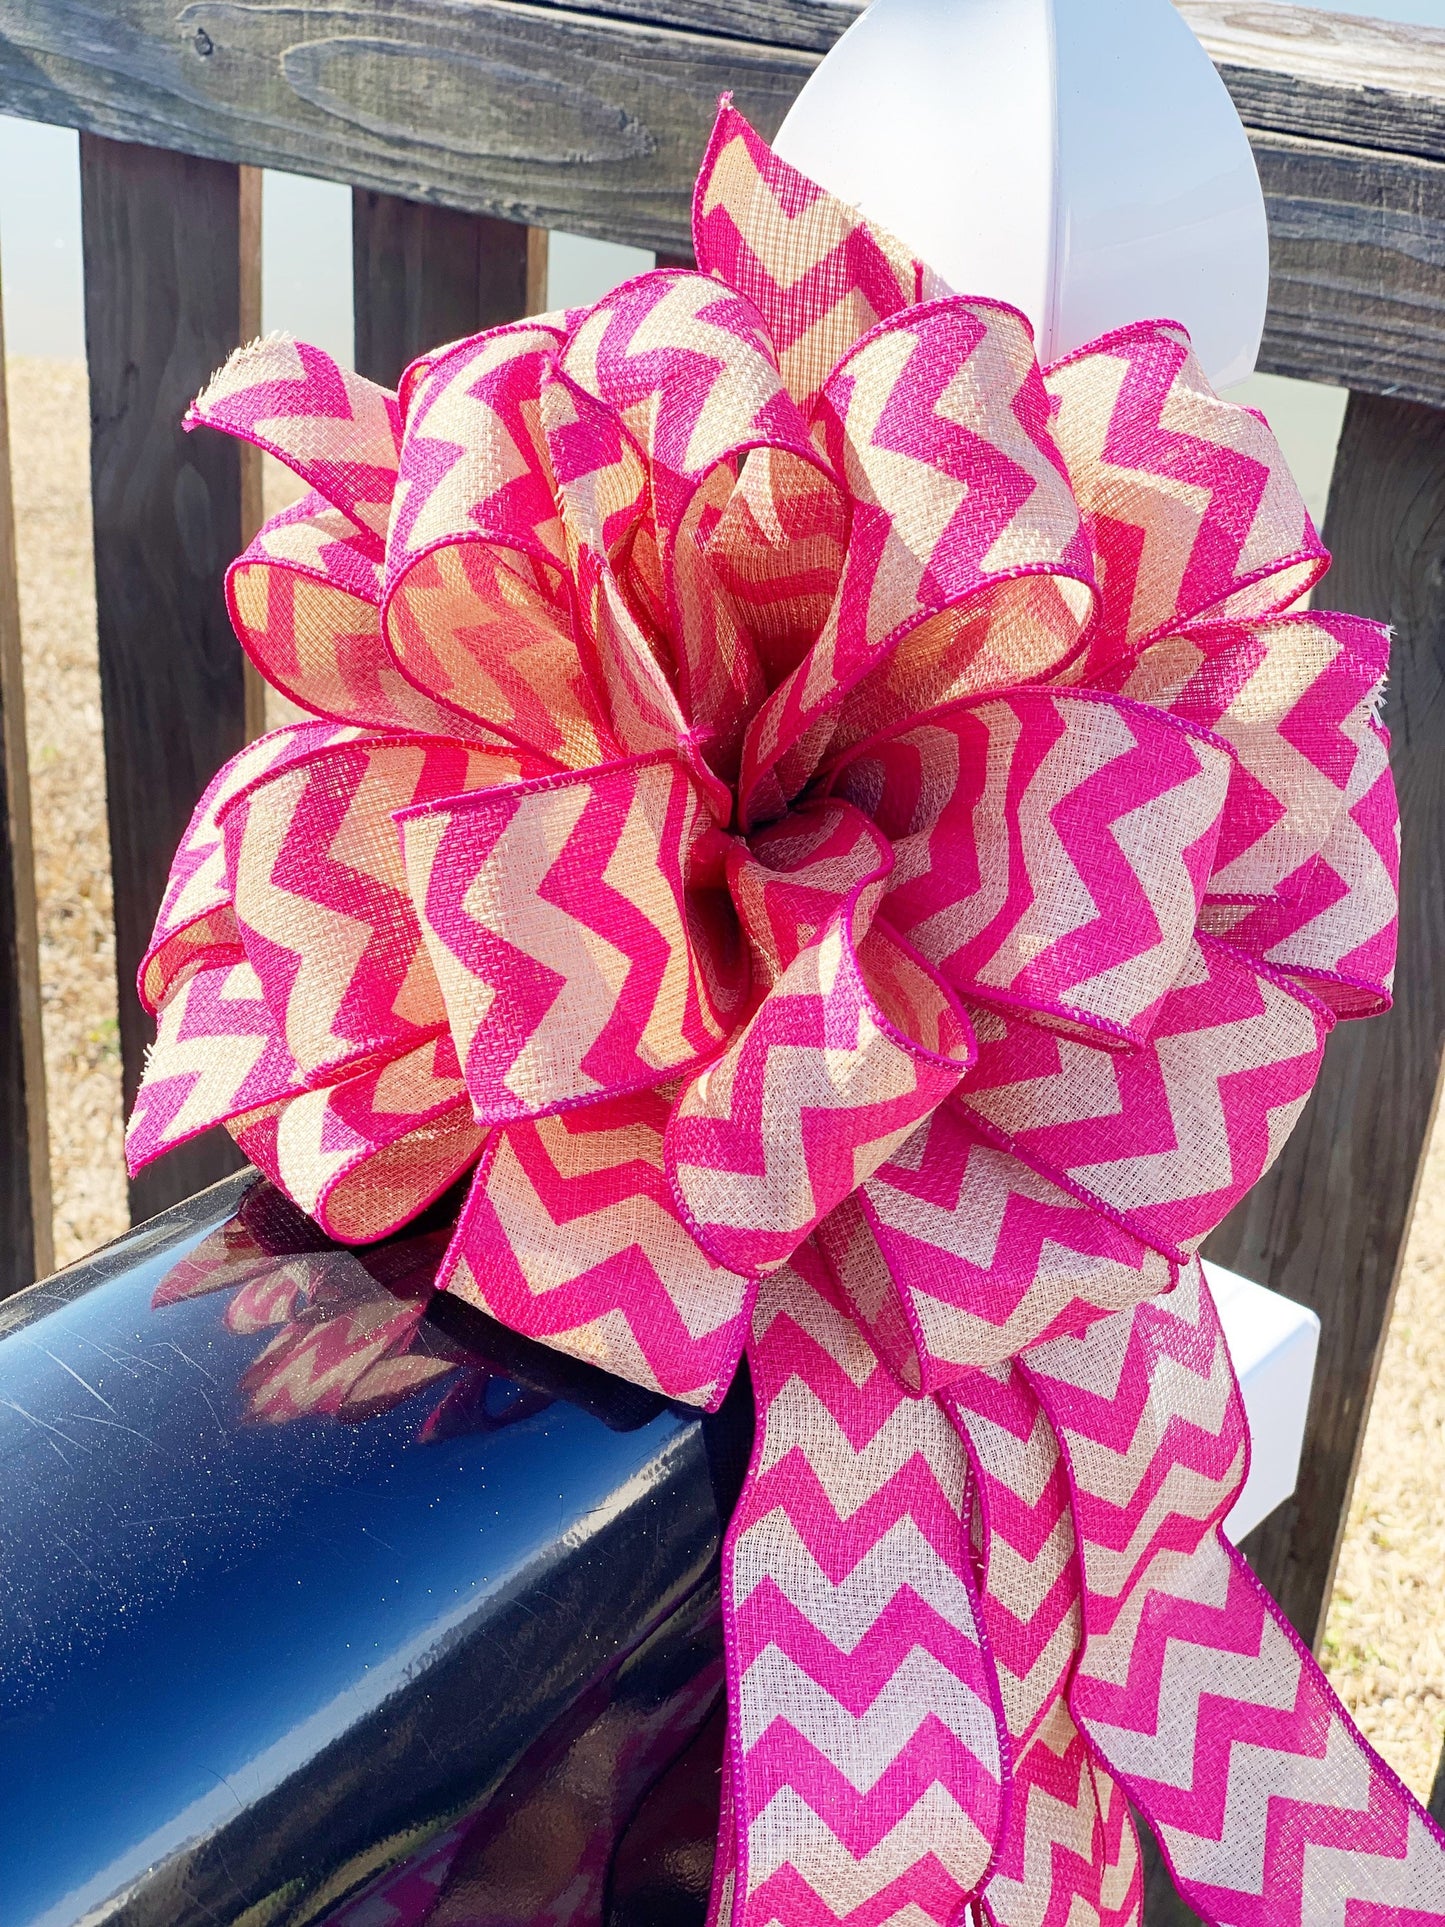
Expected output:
(396, 81)
(422, 275)
(1328, 1225)
(166, 299)
(26, 1251)
(595, 120)
(1328, 76)
(1357, 267)
(811, 24)
(212, 77)
(534, 113)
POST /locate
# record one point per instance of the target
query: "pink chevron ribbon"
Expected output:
(850, 841)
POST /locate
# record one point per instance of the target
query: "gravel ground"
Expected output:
(1385, 1647)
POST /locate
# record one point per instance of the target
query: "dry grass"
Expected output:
(1386, 1640)
(1385, 1643)
(50, 457)
(50, 461)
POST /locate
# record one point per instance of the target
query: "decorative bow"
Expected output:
(836, 824)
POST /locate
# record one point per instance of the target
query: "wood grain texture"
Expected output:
(1328, 76)
(594, 120)
(535, 113)
(141, 69)
(1357, 268)
(422, 275)
(1329, 1223)
(26, 1250)
(165, 302)
(810, 24)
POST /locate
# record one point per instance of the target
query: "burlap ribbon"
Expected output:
(835, 823)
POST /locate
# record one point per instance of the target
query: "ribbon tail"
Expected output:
(1069, 1852)
(866, 1762)
(1191, 1686)
(1071, 1855)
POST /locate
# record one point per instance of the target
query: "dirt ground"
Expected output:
(1386, 1638)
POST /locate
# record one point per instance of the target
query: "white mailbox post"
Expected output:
(1273, 1342)
(1081, 159)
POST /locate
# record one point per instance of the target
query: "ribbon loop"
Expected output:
(558, 920)
(196, 918)
(364, 1155)
(854, 1044)
(1337, 932)
(1054, 859)
(338, 431)
(687, 367)
(790, 878)
(1165, 1139)
(1192, 512)
(956, 1255)
(966, 566)
(478, 611)
(817, 272)
(321, 901)
(570, 1235)
(305, 600)
(1290, 698)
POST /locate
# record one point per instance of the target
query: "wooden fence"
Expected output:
(468, 130)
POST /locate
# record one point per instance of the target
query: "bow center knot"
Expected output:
(790, 878)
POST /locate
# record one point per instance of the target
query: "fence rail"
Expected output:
(593, 120)
(468, 130)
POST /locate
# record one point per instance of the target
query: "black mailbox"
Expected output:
(325, 1599)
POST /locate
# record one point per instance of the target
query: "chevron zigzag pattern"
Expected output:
(860, 1708)
(1071, 1856)
(848, 838)
(1190, 1682)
